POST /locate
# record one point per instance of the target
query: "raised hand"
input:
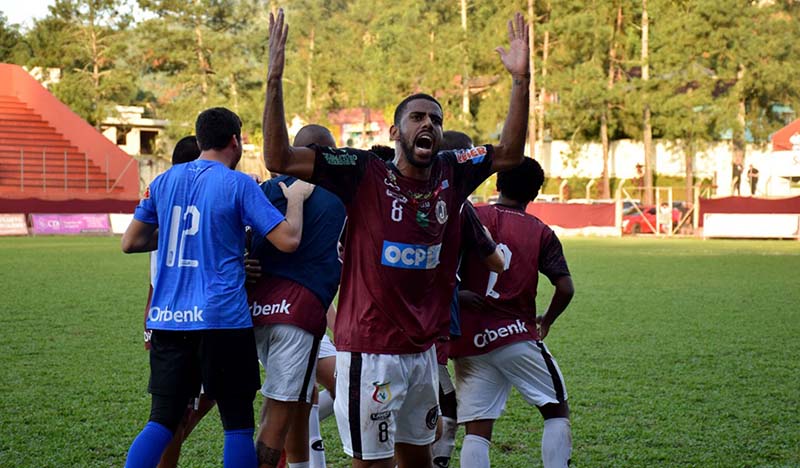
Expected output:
(277, 45)
(517, 58)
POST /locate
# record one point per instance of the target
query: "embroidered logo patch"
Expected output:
(382, 393)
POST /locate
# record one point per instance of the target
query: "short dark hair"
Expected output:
(453, 140)
(398, 111)
(522, 183)
(186, 150)
(215, 127)
(384, 152)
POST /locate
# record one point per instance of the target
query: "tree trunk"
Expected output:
(542, 92)
(309, 68)
(739, 143)
(465, 64)
(234, 93)
(689, 154)
(605, 186)
(532, 86)
(201, 60)
(647, 128)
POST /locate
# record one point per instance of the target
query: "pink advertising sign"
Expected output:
(94, 223)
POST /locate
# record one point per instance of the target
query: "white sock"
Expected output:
(556, 443)
(325, 405)
(316, 450)
(299, 465)
(475, 452)
(443, 448)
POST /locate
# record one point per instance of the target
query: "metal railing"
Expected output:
(27, 181)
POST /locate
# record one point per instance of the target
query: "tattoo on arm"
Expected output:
(267, 456)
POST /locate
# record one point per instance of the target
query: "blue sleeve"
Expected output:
(257, 211)
(146, 209)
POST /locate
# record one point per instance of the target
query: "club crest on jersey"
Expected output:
(409, 256)
(146, 195)
(441, 211)
(475, 154)
(382, 393)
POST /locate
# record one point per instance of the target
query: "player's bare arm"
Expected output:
(496, 261)
(561, 299)
(286, 235)
(140, 237)
(279, 155)
(510, 151)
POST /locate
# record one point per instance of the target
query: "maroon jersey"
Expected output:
(275, 300)
(400, 256)
(530, 247)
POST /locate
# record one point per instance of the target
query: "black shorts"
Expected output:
(225, 362)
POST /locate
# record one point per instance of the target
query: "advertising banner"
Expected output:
(13, 225)
(120, 222)
(754, 226)
(70, 224)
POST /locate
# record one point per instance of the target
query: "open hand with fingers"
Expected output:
(517, 58)
(299, 190)
(278, 32)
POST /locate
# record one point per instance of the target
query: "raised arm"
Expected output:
(509, 153)
(279, 155)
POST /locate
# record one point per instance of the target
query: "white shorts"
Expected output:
(326, 348)
(484, 382)
(289, 357)
(445, 382)
(383, 399)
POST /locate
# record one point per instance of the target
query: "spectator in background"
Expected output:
(737, 177)
(752, 176)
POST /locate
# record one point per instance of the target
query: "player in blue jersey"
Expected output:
(195, 214)
(289, 303)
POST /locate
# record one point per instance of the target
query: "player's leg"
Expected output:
(289, 357)
(417, 418)
(231, 376)
(316, 448)
(296, 447)
(446, 439)
(196, 410)
(371, 389)
(326, 376)
(174, 376)
(533, 371)
(481, 392)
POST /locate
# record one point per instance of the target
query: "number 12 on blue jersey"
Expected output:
(193, 226)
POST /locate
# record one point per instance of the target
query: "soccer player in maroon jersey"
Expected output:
(501, 343)
(399, 263)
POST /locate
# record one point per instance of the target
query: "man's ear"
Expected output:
(394, 133)
(234, 143)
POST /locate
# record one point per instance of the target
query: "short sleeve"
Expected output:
(473, 233)
(470, 167)
(552, 263)
(340, 170)
(257, 211)
(146, 211)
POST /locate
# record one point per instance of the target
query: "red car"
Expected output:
(634, 223)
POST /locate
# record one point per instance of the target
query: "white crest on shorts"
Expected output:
(441, 211)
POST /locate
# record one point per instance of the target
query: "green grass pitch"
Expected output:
(675, 353)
